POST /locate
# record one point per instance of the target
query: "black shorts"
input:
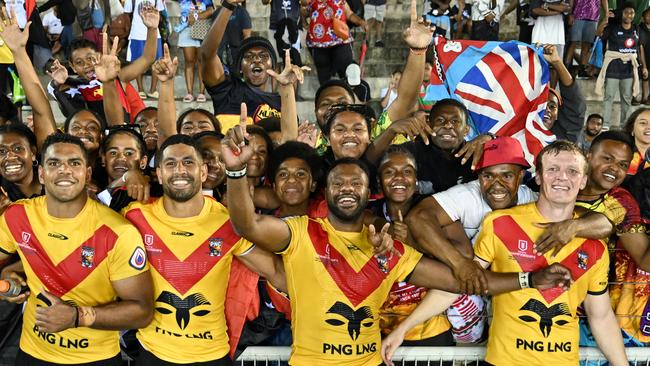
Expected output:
(23, 359)
(146, 358)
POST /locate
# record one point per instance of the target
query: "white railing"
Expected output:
(430, 356)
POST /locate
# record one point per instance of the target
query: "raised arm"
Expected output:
(16, 40)
(107, 71)
(289, 113)
(150, 18)
(418, 37)
(211, 66)
(553, 58)
(165, 69)
(266, 231)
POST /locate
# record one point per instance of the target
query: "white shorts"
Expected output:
(374, 11)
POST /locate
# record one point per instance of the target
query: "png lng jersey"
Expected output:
(190, 265)
(75, 259)
(530, 325)
(337, 287)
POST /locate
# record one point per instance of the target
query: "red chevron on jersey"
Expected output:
(356, 286)
(65, 276)
(521, 246)
(183, 274)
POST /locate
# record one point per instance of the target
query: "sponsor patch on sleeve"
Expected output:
(138, 259)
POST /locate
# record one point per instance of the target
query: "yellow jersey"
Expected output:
(530, 325)
(190, 265)
(337, 287)
(75, 259)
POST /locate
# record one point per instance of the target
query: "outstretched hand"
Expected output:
(307, 133)
(420, 32)
(58, 72)
(234, 146)
(150, 16)
(290, 74)
(10, 32)
(109, 65)
(165, 68)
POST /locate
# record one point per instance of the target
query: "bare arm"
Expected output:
(267, 265)
(165, 69)
(512, 5)
(16, 40)
(151, 18)
(552, 57)
(211, 66)
(591, 225)
(418, 37)
(134, 310)
(638, 245)
(266, 231)
(107, 71)
(605, 328)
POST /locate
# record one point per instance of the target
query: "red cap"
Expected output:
(502, 150)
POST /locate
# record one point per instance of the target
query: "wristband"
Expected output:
(524, 280)
(227, 5)
(236, 174)
(86, 316)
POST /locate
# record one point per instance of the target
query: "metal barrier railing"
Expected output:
(430, 356)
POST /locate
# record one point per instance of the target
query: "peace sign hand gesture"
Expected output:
(290, 74)
(109, 65)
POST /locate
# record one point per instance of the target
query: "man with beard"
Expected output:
(506, 242)
(592, 128)
(190, 244)
(80, 258)
(256, 57)
(334, 320)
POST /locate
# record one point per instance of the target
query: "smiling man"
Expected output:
(77, 273)
(335, 283)
(228, 91)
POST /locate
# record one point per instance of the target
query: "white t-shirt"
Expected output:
(138, 29)
(391, 98)
(52, 23)
(19, 8)
(549, 30)
(465, 202)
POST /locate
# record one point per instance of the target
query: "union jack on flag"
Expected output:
(504, 85)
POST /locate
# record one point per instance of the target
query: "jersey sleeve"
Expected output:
(598, 281)
(242, 247)
(625, 211)
(485, 246)
(410, 258)
(128, 257)
(457, 208)
(298, 228)
(7, 242)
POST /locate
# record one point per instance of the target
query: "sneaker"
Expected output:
(379, 44)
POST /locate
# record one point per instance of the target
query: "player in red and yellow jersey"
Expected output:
(190, 244)
(531, 326)
(335, 282)
(79, 258)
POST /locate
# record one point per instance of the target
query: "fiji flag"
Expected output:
(504, 85)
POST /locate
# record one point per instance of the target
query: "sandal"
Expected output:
(153, 95)
(142, 95)
(188, 98)
(201, 98)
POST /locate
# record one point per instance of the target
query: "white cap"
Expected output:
(353, 73)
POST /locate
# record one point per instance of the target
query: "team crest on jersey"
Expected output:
(87, 257)
(138, 259)
(583, 259)
(522, 245)
(148, 240)
(382, 262)
(215, 245)
(26, 236)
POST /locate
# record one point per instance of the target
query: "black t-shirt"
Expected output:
(571, 114)
(283, 9)
(228, 96)
(362, 91)
(438, 170)
(621, 40)
(67, 12)
(13, 191)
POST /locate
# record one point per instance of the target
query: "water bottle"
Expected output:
(11, 288)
